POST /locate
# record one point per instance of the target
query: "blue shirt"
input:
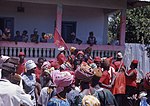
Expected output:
(58, 102)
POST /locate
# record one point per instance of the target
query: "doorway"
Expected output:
(67, 28)
(7, 22)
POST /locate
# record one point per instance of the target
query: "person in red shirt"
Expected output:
(38, 70)
(131, 86)
(119, 62)
(61, 58)
(105, 78)
(21, 67)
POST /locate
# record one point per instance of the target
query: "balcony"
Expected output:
(49, 50)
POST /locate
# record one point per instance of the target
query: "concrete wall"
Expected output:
(111, 4)
(42, 17)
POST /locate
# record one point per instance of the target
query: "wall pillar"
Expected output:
(122, 27)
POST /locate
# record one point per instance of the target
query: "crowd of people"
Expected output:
(75, 80)
(44, 37)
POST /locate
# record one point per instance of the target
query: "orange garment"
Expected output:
(120, 83)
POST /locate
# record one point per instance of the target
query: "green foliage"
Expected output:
(137, 25)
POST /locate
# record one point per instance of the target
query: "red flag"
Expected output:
(58, 40)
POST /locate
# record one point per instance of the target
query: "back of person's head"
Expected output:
(91, 33)
(7, 69)
(84, 85)
(90, 100)
(105, 64)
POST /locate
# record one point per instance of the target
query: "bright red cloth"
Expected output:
(21, 68)
(131, 81)
(38, 72)
(117, 64)
(120, 83)
(105, 79)
(58, 40)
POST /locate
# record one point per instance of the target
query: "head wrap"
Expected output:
(21, 54)
(119, 55)
(30, 65)
(54, 63)
(135, 61)
(89, 100)
(84, 72)
(80, 52)
(46, 65)
(9, 67)
(97, 59)
(62, 80)
(4, 58)
(72, 49)
(61, 48)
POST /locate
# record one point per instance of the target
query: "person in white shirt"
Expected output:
(11, 94)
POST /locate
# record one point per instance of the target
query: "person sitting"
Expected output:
(6, 35)
(25, 36)
(73, 39)
(34, 37)
(18, 37)
(42, 39)
(91, 39)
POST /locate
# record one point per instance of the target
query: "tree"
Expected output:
(137, 25)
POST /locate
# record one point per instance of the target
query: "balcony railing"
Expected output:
(49, 50)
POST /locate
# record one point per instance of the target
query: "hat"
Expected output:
(62, 80)
(80, 52)
(72, 49)
(135, 61)
(4, 58)
(61, 48)
(9, 67)
(119, 55)
(84, 73)
(97, 59)
(46, 65)
(21, 54)
(30, 65)
(90, 100)
(13, 60)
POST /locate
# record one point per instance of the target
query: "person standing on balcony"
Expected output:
(18, 37)
(34, 37)
(25, 36)
(21, 65)
(91, 39)
(6, 35)
(73, 39)
(42, 38)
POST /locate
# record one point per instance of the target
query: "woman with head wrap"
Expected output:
(131, 86)
(63, 81)
(29, 79)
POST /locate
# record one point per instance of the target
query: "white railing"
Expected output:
(49, 50)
